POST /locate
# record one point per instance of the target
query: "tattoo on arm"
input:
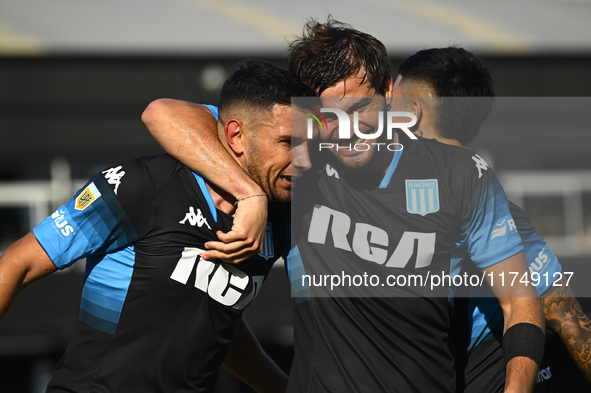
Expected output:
(566, 318)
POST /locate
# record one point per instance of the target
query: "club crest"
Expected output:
(422, 196)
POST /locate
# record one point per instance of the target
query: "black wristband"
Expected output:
(524, 339)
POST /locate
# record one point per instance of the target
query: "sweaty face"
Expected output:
(268, 158)
(350, 96)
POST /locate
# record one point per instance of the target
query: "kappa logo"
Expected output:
(502, 230)
(330, 171)
(481, 165)
(86, 197)
(59, 220)
(195, 218)
(113, 176)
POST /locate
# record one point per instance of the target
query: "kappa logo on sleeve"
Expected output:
(113, 176)
(481, 165)
(87, 196)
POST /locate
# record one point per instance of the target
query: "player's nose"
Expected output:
(300, 157)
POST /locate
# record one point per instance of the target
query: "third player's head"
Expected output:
(339, 61)
(431, 76)
(255, 123)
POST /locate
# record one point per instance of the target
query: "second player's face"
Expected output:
(276, 158)
(348, 95)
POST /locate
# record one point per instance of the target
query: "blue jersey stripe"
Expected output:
(391, 169)
(101, 299)
(106, 288)
(213, 109)
(99, 312)
(97, 323)
(295, 271)
(207, 196)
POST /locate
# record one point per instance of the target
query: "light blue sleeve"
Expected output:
(539, 257)
(488, 230)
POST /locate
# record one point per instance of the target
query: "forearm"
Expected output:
(521, 306)
(247, 360)
(188, 132)
(521, 371)
(22, 263)
(565, 317)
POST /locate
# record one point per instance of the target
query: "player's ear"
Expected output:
(389, 88)
(417, 107)
(235, 134)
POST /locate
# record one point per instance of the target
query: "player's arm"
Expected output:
(565, 317)
(523, 318)
(188, 132)
(247, 360)
(22, 263)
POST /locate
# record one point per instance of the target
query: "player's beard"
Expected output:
(371, 160)
(255, 167)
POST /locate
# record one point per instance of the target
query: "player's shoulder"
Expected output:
(519, 215)
(433, 150)
(448, 158)
(140, 174)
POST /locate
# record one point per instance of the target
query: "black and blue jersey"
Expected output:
(154, 316)
(405, 222)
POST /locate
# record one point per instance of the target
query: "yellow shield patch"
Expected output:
(87, 196)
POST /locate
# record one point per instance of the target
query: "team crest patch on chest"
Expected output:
(268, 249)
(422, 196)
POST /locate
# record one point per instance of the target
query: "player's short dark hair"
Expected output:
(453, 72)
(259, 86)
(330, 52)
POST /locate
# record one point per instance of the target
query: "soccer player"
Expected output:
(380, 344)
(154, 316)
(455, 72)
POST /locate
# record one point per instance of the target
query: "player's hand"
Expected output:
(245, 239)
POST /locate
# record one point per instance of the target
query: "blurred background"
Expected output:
(75, 77)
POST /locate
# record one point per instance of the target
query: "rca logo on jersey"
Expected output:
(422, 196)
(113, 176)
(370, 242)
(195, 218)
(540, 262)
(502, 230)
(222, 282)
(481, 165)
(268, 248)
(60, 222)
(86, 197)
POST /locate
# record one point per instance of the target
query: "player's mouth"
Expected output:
(288, 180)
